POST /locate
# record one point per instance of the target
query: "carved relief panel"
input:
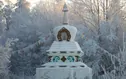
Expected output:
(64, 34)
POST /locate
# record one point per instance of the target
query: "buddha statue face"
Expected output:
(64, 34)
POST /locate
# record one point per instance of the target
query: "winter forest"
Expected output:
(26, 33)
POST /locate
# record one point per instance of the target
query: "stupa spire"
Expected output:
(65, 17)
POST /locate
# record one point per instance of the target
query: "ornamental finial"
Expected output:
(65, 17)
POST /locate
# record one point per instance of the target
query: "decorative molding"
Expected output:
(77, 58)
(50, 58)
(71, 58)
(63, 66)
(63, 59)
(63, 52)
(59, 36)
(56, 59)
(82, 66)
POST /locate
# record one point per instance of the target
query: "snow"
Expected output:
(65, 46)
(90, 47)
(57, 64)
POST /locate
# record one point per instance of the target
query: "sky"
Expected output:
(31, 1)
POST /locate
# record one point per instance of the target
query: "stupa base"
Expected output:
(76, 70)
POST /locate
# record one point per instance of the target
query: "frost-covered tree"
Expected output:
(34, 31)
(5, 53)
(99, 24)
(2, 20)
(93, 12)
(101, 42)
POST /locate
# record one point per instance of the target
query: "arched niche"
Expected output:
(64, 34)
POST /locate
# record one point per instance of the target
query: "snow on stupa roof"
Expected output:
(60, 64)
(65, 46)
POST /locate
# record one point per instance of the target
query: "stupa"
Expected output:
(64, 55)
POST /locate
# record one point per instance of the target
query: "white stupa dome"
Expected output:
(69, 30)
